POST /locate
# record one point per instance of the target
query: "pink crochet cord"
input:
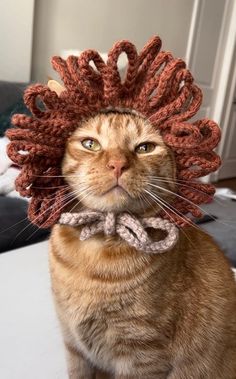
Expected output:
(129, 228)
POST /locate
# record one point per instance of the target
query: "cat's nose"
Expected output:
(117, 166)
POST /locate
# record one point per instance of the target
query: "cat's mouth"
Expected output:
(116, 190)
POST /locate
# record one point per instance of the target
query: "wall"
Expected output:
(82, 24)
(16, 29)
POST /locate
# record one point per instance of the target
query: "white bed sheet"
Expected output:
(30, 342)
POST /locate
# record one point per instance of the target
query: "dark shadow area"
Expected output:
(15, 228)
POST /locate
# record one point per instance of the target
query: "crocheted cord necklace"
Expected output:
(129, 228)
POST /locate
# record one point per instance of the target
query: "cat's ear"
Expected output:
(56, 87)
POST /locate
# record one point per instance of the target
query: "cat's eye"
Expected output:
(145, 148)
(91, 144)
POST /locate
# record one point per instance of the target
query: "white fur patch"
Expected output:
(124, 366)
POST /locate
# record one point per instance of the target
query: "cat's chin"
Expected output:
(115, 200)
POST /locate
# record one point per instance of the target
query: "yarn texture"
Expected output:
(129, 228)
(157, 86)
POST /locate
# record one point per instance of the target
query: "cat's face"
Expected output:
(113, 161)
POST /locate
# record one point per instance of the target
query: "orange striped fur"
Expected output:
(125, 314)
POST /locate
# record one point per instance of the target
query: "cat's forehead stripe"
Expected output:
(114, 129)
(98, 125)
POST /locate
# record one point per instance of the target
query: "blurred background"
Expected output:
(202, 32)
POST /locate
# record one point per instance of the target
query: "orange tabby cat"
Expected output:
(124, 313)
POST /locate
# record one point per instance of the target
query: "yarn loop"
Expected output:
(129, 228)
(157, 86)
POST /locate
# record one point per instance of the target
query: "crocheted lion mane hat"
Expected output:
(157, 86)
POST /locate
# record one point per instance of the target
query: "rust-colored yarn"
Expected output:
(157, 86)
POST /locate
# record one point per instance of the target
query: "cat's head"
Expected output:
(119, 162)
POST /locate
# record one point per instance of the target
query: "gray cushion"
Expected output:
(223, 230)
(11, 102)
(15, 228)
(10, 94)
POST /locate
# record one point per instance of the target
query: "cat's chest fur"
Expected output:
(105, 302)
(122, 309)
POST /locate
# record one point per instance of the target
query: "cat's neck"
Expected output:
(152, 211)
(108, 257)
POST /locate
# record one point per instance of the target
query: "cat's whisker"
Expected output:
(142, 200)
(49, 176)
(55, 187)
(175, 180)
(152, 206)
(167, 180)
(68, 195)
(159, 202)
(171, 218)
(168, 206)
(12, 226)
(75, 193)
(77, 203)
(184, 183)
(62, 176)
(31, 235)
(146, 201)
(185, 218)
(30, 225)
(41, 214)
(177, 195)
(190, 202)
(19, 222)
